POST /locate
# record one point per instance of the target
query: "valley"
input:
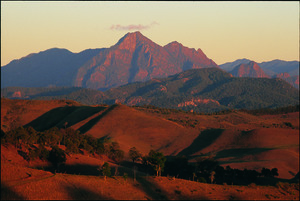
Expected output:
(235, 138)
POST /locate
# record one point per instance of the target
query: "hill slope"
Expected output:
(205, 90)
(237, 139)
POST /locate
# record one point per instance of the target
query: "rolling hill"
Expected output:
(238, 139)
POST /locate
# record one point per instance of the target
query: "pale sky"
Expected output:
(225, 31)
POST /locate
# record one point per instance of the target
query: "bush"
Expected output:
(105, 170)
(57, 156)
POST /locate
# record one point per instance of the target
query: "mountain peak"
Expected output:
(251, 69)
(174, 44)
(130, 40)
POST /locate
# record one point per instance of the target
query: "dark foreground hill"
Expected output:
(200, 90)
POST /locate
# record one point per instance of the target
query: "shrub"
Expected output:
(125, 176)
(105, 170)
(57, 156)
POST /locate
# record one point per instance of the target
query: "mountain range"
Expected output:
(199, 90)
(133, 58)
(286, 70)
(137, 71)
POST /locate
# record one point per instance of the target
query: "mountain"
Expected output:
(293, 80)
(199, 90)
(133, 58)
(204, 90)
(189, 58)
(53, 67)
(136, 58)
(271, 68)
(229, 66)
(280, 66)
(251, 69)
(282, 76)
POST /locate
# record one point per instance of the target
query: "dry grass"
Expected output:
(245, 140)
(18, 181)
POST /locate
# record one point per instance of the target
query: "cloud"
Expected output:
(132, 27)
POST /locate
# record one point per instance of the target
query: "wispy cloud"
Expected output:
(132, 27)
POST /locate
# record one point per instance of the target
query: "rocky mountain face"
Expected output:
(271, 68)
(133, 58)
(251, 69)
(137, 58)
(286, 70)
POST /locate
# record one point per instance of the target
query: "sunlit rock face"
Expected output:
(252, 69)
(136, 58)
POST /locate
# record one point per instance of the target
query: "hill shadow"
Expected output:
(80, 193)
(240, 152)
(86, 127)
(153, 190)
(204, 139)
(58, 116)
(8, 194)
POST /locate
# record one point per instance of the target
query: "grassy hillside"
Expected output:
(20, 180)
(16, 113)
(236, 138)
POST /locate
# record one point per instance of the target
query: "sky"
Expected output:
(224, 31)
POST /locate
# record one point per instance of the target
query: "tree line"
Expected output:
(205, 169)
(36, 142)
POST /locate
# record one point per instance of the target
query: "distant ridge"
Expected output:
(198, 90)
(286, 70)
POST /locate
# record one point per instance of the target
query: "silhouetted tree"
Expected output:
(57, 156)
(266, 172)
(274, 172)
(105, 170)
(157, 161)
(134, 154)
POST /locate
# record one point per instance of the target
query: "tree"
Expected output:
(105, 170)
(33, 136)
(212, 176)
(57, 156)
(118, 155)
(134, 154)
(274, 172)
(157, 161)
(266, 172)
